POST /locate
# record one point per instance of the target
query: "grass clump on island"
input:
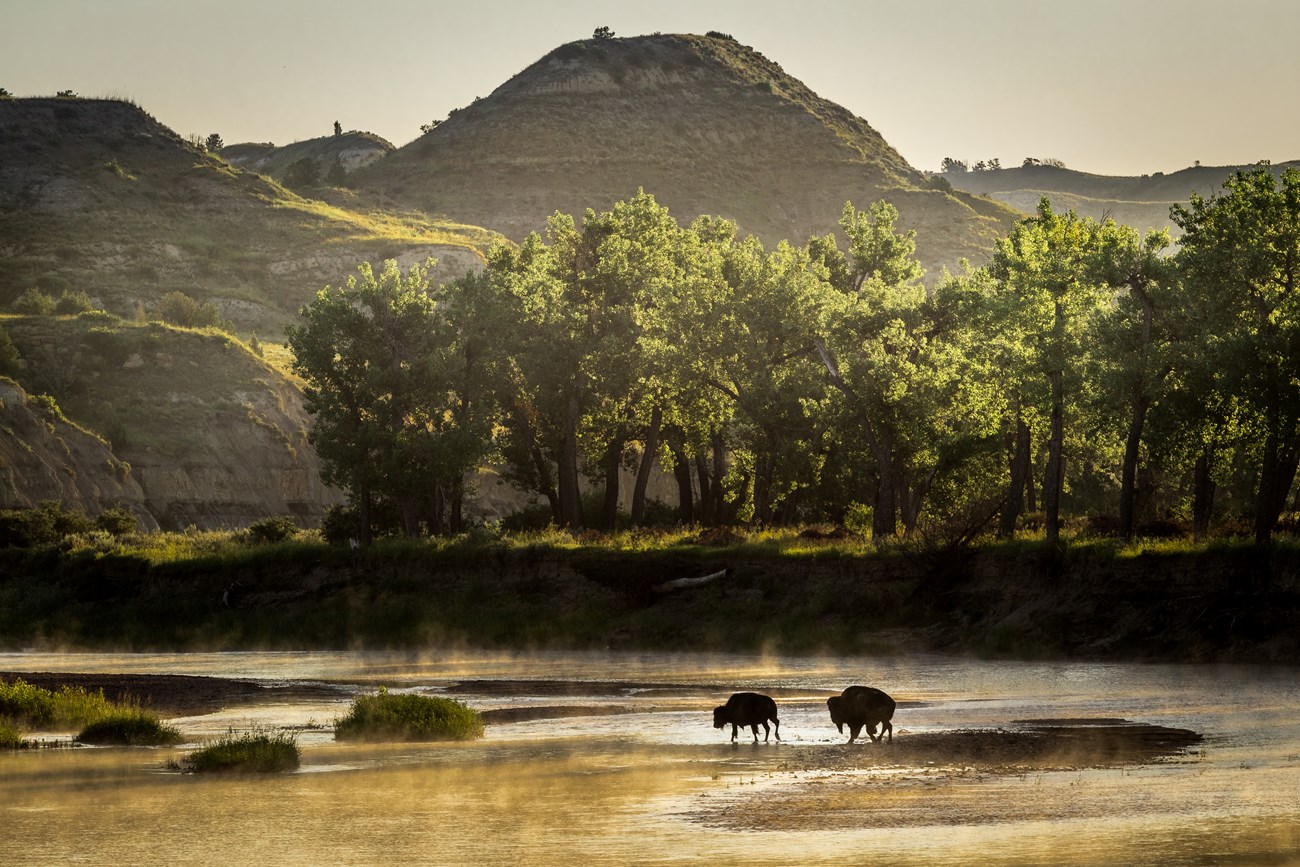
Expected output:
(99, 720)
(256, 752)
(129, 727)
(389, 717)
(10, 737)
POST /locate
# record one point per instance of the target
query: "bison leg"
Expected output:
(734, 731)
(887, 726)
(871, 733)
(754, 728)
(776, 722)
(854, 729)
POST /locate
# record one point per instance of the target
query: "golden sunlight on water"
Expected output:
(656, 784)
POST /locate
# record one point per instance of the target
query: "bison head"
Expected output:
(836, 706)
(719, 716)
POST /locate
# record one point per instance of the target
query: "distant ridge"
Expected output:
(1142, 202)
(709, 126)
(350, 150)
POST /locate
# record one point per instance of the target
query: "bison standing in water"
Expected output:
(863, 707)
(747, 709)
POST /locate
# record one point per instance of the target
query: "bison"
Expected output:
(747, 709)
(863, 707)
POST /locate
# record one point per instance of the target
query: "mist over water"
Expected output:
(650, 781)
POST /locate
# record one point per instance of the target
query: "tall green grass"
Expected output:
(10, 738)
(131, 727)
(70, 707)
(246, 752)
(389, 717)
(100, 721)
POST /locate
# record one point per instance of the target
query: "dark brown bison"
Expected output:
(863, 707)
(747, 709)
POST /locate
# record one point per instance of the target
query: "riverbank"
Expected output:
(1230, 603)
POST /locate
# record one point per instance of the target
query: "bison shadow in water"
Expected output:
(747, 709)
(863, 707)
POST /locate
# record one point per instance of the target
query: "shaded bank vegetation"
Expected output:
(776, 590)
(1084, 373)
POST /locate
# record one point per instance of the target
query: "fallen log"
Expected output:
(679, 583)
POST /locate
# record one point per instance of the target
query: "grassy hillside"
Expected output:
(97, 195)
(214, 435)
(709, 126)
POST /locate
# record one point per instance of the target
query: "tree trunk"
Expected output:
(706, 490)
(650, 449)
(913, 499)
(438, 507)
(613, 460)
(567, 470)
(410, 521)
(1275, 480)
(456, 520)
(1031, 489)
(1054, 476)
(363, 514)
(676, 439)
(1203, 494)
(1128, 477)
(763, 474)
(719, 473)
(523, 427)
(884, 518)
(1019, 466)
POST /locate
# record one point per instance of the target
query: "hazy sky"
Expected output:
(1108, 86)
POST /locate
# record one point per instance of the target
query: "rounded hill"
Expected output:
(709, 126)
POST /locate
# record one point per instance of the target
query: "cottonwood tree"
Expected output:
(889, 348)
(1240, 261)
(1135, 338)
(386, 384)
(580, 385)
(1046, 295)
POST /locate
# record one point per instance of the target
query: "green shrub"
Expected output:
(71, 303)
(132, 727)
(248, 752)
(25, 528)
(10, 360)
(34, 302)
(177, 308)
(388, 717)
(536, 517)
(301, 174)
(118, 521)
(273, 529)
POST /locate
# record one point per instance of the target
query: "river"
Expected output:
(640, 776)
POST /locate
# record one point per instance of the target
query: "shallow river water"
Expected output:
(655, 783)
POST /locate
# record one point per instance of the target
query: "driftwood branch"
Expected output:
(679, 583)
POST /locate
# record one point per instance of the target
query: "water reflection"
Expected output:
(655, 783)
